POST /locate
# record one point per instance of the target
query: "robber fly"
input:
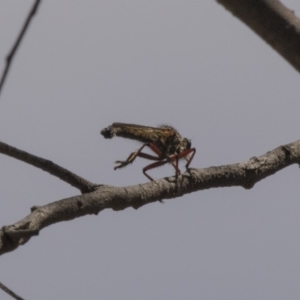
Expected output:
(164, 141)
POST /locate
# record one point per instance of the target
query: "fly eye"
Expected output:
(188, 143)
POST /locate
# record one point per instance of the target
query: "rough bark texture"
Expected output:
(273, 22)
(244, 174)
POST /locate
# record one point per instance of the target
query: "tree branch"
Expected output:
(273, 22)
(10, 292)
(15, 47)
(46, 165)
(244, 174)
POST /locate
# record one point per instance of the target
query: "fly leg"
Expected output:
(182, 154)
(139, 153)
(187, 152)
(152, 166)
(175, 158)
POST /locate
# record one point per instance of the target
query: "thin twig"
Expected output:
(10, 292)
(15, 47)
(82, 184)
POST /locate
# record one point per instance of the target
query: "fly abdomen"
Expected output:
(107, 132)
(140, 133)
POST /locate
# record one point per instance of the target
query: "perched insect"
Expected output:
(165, 141)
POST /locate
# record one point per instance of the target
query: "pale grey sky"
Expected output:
(86, 64)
